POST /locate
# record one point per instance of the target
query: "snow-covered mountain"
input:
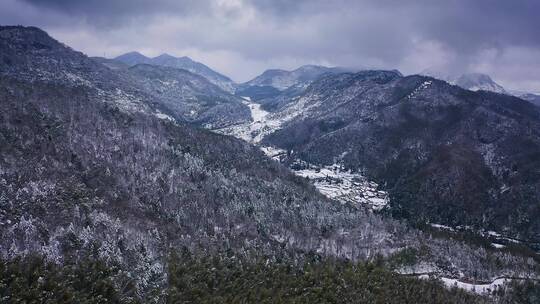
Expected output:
(282, 79)
(477, 82)
(405, 132)
(184, 62)
(276, 83)
(534, 98)
(190, 97)
(91, 169)
(468, 81)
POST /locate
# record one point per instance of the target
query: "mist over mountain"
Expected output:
(477, 81)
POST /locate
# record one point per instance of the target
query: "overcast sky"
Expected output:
(241, 38)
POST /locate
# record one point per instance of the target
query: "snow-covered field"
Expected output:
(498, 239)
(331, 181)
(345, 186)
(476, 288)
(262, 124)
(485, 288)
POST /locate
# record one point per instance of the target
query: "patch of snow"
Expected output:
(262, 124)
(422, 86)
(76, 79)
(493, 233)
(499, 236)
(498, 246)
(331, 181)
(442, 227)
(476, 288)
(273, 152)
(345, 186)
(164, 116)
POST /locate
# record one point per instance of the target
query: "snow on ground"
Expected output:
(476, 288)
(255, 130)
(263, 122)
(422, 86)
(484, 288)
(500, 237)
(442, 227)
(273, 152)
(164, 116)
(331, 181)
(492, 235)
(345, 186)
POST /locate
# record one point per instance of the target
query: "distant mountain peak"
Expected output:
(283, 79)
(478, 81)
(184, 62)
(133, 53)
(132, 58)
(473, 81)
(165, 56)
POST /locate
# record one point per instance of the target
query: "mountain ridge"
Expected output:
(358, 118)
(184, 62)
(90, 169)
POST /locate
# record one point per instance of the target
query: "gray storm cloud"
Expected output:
(242, 38)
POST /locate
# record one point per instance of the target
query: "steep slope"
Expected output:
(82, 175)
(190, 97)
(185, 63)
(33, 56)
(446, 155)
(111, 63)
(30, 55)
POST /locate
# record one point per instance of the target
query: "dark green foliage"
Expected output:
(527, 292)
(33, 280)
(214, 279)
(404, 257)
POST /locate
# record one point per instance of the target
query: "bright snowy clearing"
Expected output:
(262, 124)
(344, 186)
(332, 181)
(477, 288)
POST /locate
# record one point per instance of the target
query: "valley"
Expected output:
(149, 180)
(332, 181)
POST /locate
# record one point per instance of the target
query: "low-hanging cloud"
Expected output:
(241, 37)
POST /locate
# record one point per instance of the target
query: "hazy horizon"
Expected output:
(241, 39)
